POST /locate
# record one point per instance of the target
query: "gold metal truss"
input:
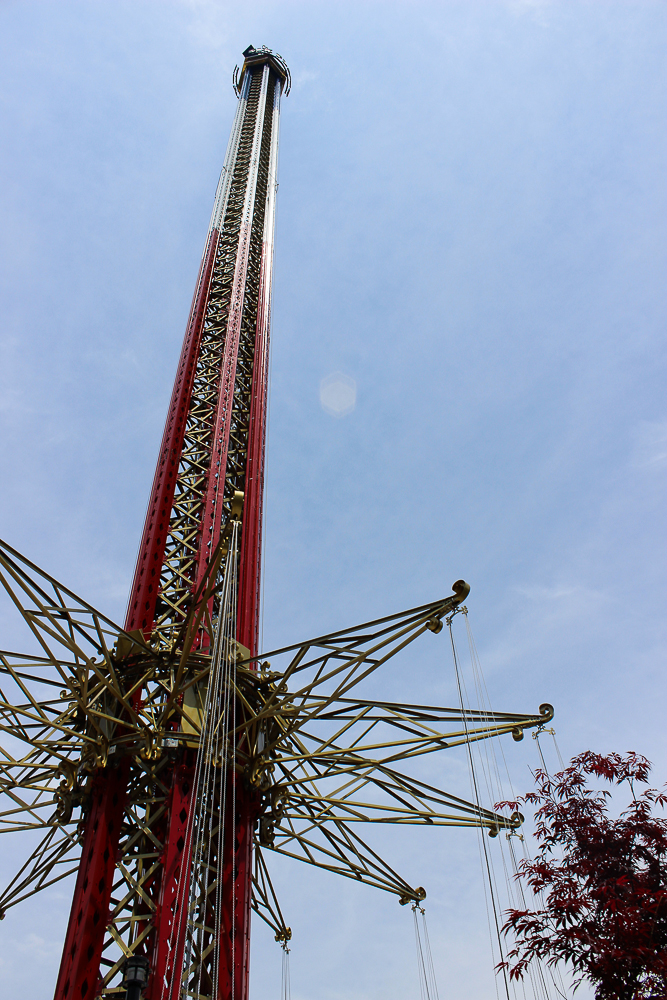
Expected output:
(90, 700)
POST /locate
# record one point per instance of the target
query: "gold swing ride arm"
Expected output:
(324, 761)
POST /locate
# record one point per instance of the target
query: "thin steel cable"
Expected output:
(537, 977)
(222, 752)
(429, 955)
(557, 748)
(475, 658)
(473, 778)
(210, 746)
(536, 973)
(267, 453)
(233, 841)
(212, 749)
(486, 860)
(536, 737)
(554, 973)
(421, 965)
(486, 749)
(203, 760)
(286, 983)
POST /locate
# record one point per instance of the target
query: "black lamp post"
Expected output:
(135, 975)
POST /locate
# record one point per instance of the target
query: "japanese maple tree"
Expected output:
(601, 883)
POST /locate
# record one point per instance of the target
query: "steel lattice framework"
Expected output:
(160, 761)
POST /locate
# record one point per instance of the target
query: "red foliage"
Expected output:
(602, 882)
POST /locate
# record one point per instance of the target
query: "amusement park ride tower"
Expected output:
(160, 761)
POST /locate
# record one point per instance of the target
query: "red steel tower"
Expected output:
(173, 753)
(130, 889)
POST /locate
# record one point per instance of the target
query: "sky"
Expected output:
(467, 363)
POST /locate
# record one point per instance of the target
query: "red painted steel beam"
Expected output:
(234, 968)
(170, 919)
(141, 607)
(79, 967)
(251, 542)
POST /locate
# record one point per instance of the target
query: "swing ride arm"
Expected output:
(317, 763)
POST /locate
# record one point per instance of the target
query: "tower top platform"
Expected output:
(257, 57)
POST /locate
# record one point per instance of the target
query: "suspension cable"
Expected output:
(205, 828)
(487, 750)
(286, 984)
(421, 966)
(428, 985)
(473, 778)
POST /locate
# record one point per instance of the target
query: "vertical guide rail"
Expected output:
(225, 412)
(136, 859)
(251, 548)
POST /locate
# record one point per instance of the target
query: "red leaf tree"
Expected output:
(601, 882)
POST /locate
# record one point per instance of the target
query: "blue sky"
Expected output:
(471, 226)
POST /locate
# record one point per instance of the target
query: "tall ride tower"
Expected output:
(210, 471)
(158, 762)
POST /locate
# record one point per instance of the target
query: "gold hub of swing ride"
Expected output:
(323, 762)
